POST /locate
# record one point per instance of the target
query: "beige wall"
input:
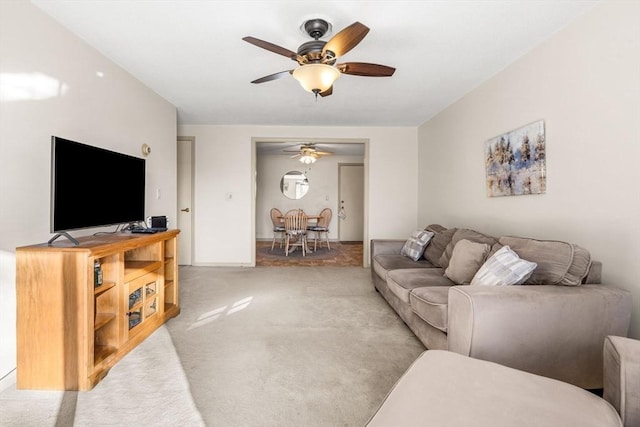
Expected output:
(50, 87)
(584, 82)
(223, 165)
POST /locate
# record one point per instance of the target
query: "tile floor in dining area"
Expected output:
(341, 254)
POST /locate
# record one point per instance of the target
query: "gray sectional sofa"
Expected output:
(554, 324)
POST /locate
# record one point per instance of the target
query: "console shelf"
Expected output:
(102, 320)
(104, 287)
(102, 352)
(134, 269)
(70, 332)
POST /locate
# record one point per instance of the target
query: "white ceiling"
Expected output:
(193, 55)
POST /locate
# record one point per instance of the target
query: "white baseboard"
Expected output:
(8, 380)
(222, 264)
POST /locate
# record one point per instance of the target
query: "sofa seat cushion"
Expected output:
(384, 263)
(401, 282)
(430, 304)
(442, 388)
(559, 263)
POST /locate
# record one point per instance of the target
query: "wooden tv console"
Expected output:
(70, 332)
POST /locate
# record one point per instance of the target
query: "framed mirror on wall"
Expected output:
(294, 185)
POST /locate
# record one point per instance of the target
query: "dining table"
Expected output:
(316, 218)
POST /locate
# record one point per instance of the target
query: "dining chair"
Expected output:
(278, 227)
(295, 225)
(321, 228)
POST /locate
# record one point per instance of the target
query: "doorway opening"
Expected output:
(274, 157)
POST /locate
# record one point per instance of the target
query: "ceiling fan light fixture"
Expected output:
(316, 78)
(308, 159)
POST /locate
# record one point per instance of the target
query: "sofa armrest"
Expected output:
(386, 246)
(594, 275)
(554, 331)
(622, 378)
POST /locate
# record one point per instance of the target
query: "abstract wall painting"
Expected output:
(516, 162)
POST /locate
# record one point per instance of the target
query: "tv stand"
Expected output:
(72, 328)
(63, 234)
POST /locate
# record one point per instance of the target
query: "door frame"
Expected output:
(192, 140)
(254, 186)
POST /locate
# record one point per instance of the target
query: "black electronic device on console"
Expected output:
(157, 223)
(144, 231)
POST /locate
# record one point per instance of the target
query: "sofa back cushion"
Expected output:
(436, 228)
(438, 243)
(464, 234)
(559, 263)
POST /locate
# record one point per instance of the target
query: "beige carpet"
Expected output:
(295, 346)
(147, 387)
(264, 346)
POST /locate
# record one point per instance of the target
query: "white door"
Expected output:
(185, 207)
(351, 202)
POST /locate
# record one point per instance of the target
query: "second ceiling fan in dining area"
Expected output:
(317, 70)
(308, 153)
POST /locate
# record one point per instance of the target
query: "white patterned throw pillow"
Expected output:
(414, 246)
(504, 268)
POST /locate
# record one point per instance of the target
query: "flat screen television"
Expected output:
(93, 187)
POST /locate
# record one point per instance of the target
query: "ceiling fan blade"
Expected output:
(271, 47)
(327, 92)
(302, 147)
(346, 39)
(273, 76)
(324, 153)
(365, 69)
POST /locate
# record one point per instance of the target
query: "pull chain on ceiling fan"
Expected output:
(317, 71)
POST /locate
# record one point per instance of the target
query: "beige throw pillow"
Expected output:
(466, 259)
(460, 234)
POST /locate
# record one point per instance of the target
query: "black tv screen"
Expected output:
(92, 187)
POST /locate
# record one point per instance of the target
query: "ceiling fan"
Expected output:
(308, 153)
(317, 69)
